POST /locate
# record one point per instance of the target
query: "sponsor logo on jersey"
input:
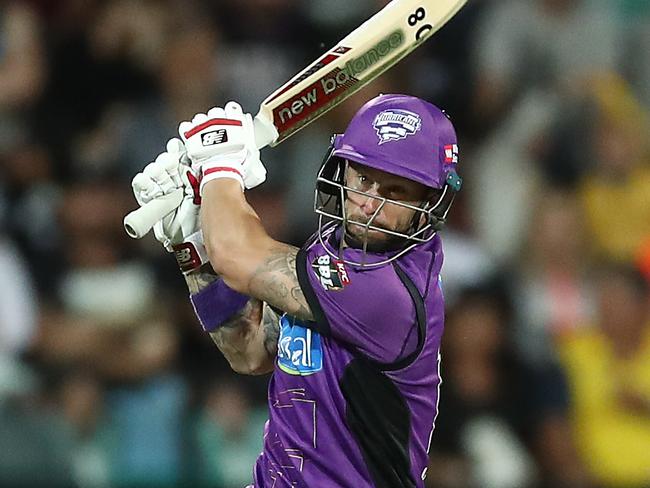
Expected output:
(330, 272)
(300, 351)
(393, 125)
(451, 153)
(214, 137)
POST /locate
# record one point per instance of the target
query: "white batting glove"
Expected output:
(221, 144)
(179, 231)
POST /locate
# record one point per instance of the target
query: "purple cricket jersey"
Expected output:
(353, 396)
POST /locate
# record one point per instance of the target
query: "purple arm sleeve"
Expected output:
(217, 303)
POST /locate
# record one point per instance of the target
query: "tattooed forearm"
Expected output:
(201, 278)
(243, 341)
(275, 281)
(271, 330)
(231, 337)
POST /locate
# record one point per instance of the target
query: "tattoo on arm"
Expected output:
(271, 330)
(249, 339)
(201, 278)
(276, 282)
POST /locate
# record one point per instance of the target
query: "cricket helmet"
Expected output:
(404, 136)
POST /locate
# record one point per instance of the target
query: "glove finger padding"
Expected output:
(176, 147)
(233, 109)
(144, 189)
(199, 119)
(217, 113)
(159, 175)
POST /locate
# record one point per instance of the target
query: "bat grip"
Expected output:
(140, 221)
(265, 131)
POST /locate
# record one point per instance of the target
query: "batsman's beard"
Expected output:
(355, 236)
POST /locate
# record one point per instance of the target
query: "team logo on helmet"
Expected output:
(393, 125)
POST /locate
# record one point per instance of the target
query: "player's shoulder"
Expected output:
(376, 278)
(423, 264)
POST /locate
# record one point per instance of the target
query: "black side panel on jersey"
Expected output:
(420, 317)
(321, 324)
(380, 420)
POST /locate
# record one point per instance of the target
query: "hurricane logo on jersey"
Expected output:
(300, 352)
(393, 125)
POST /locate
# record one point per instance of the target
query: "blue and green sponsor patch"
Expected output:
(299, 349)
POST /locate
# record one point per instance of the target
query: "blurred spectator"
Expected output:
(29, 442)
(111, 323)
(504, 178)
(22, 69)
(552, 294)
(467, 264)
(608, 367)
(485, 406)
(81, 401)
(97, 57)
(18, 304)
(229, 434)
(36, 444)
(541, 45)
(141, 39)
(146, 418)
(616, 193)
(502, 423)
(32, 202)
(534, 60)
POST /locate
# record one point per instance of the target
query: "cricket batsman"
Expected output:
(350, 324)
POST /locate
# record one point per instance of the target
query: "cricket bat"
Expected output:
(363, 55)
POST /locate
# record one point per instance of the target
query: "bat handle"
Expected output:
(265, 131)
(140, 221)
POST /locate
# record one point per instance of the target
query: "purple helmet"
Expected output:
(404, 136)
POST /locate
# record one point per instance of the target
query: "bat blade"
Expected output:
(363, 55)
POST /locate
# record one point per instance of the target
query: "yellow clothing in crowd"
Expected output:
(618, 215)
(613, 440)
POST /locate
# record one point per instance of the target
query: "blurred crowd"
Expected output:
(106, 379)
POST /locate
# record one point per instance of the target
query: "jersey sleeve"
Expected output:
(370, 310)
